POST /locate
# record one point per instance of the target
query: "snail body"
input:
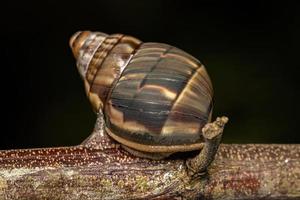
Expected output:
(155, 98)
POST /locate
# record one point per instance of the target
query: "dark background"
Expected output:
(251, 51)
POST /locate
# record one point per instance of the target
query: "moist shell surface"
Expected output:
(162, 98)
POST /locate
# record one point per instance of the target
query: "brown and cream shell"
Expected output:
(155, 97)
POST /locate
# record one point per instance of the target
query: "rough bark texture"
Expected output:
(100, 169)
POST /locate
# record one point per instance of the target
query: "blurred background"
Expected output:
(250, 50)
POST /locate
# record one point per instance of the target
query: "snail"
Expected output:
(154, 99)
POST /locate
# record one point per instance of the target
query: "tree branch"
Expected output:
(105, 171)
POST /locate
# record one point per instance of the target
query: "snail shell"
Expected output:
(155, 97)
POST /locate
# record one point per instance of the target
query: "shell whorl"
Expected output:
(101, 59)
(164, 97)
(84, 44)
(151, 93)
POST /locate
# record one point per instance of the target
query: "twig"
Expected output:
(105, 171)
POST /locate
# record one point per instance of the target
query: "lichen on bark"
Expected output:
(101, 169)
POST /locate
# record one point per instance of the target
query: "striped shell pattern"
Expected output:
(155, 97)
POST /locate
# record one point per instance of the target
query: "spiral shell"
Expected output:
(155, 97)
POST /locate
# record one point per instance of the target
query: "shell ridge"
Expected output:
(145, 78)
(97, 47)
(102, 61)
(160, 112)
(120, 74)
(178, 98)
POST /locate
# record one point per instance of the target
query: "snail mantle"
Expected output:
(152, 98)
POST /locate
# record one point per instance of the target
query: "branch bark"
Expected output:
(101, 169)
